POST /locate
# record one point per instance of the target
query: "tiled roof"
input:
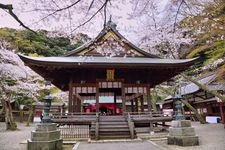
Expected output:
(192, 88)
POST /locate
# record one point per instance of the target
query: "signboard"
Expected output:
(110, 74)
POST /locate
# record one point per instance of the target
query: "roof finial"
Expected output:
(110, 24)
(110, 18)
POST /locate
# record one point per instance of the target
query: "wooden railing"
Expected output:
(71, 115)
(73, 118)
(152, 118)
(74, 131)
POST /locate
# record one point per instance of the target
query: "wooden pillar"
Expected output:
(114, 109)
(132, 105)
(74, 104)
(149, 98)
(136, 105)
(123, 98)
(142, 103)
(97, 97)
(78, 104)
(70, 105)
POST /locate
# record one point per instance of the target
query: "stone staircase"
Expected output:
(111, 127)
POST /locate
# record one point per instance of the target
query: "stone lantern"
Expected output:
(178, 106)
(181, 133)
(47, 105)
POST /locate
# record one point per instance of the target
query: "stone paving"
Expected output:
(211, 137)
(144, 145)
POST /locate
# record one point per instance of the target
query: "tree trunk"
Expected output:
(30, 116)
(4, 110)
(10, 123)
(199, 116)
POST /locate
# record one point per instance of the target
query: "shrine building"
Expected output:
(109, 67)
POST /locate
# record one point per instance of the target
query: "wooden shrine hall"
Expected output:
(108, 65)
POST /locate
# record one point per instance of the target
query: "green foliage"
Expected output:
(41, 82)
(33, 55)
(39, 44)
(41, 94)
(56, 100)
(209, 32)
(23, 99)
(197, 50)
(54, 90)
(10, 82)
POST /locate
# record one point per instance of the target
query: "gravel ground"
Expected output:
(10, 140)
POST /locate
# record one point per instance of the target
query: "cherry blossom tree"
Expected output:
(160, 32)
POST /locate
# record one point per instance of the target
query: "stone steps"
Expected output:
(111, 127)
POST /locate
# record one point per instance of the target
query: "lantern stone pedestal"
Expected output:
(181, 133)
(45, 137)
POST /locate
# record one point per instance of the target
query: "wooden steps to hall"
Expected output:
(111, 127)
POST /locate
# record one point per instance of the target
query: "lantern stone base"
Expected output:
(181, 133)
(45, 137)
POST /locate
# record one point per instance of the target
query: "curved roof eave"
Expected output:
(68, 61)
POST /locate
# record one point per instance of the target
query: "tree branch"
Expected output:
(9, 9)
(175, 22)
(104, 5)
(58, 10)
(105, 15)
(90, 6)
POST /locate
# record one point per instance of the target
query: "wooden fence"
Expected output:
(74, 131)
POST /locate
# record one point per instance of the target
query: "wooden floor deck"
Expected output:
(111, 127)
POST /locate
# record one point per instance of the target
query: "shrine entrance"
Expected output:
(109, 97)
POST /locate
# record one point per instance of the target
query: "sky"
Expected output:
(127, 27)
(5, 19)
